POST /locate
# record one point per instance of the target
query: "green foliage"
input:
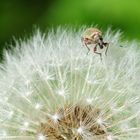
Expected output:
(17, 17)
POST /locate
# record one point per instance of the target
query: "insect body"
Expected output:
(94, 36)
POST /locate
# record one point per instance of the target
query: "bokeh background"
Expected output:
(19, 17)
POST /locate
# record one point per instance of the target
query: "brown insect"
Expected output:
(94, 36)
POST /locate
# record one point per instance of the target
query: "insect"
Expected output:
(94, 36)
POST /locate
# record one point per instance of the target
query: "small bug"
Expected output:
(94, 36)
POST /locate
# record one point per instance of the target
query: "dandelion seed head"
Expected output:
(50, 89)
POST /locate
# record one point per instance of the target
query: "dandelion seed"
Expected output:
(109, 137)
(10, 114)
(100, 121)
(28, 93)
(89, 100)
(3, 133)
(61, 92)
(26, 124)
(27, 82)
(80, 130)
(49, 77)
(38, 106)
(55, 117)
(41, 137)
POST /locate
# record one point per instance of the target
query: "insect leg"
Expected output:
(106, 45)
(95, 51)
(82, 40)
(84, 44)
(87, 48)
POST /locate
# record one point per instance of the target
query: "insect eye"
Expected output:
(100, 38)
(86, 39)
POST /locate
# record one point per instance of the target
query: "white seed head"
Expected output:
(87, 99)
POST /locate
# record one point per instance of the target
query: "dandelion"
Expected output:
(50, 89)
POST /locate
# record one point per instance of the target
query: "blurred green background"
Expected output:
(18, 17)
